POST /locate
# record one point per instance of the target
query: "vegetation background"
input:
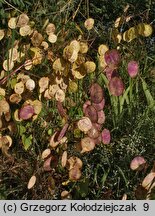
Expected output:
(106, 172)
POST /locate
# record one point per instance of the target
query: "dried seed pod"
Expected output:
(98, 140)
(84, 124)
(22, 20)
(133, 69)
(37, 105)
(102, 49)
(50, 29)
(30, 84)
(4, 106)
(91, 113)
(106, 137)
(26, 112)
(31, 182)
(60, 95)
(28, 64)
(61, 110)
(89, 23)
(1, 34)
(52, 38)
(116, 86)
(36, 39)
(99, 106)
(65, 195)
(90, 66)
(138, 163)
(53, 143)
(15, 98)
(83, 47)
(72, 86)
(75, 45)
(101, 117)
(87, 144)
(13, 54)
(53, 89)
(64, 159)
(16, 116)
(44, 44)
(25, 30)
(75, 174)
(43, 83)
(96, 93)
(149, 181)
(8, 65)
(47, 164)
(57, 65)
(63, 131)
(93, 132)
(112, 57)
(102, 63)
(19, 88)
(85, 105)
(46, 153)
(75, 162)
(12, 23)
(2, 92)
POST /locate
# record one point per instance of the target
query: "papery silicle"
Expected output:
(106, 137)
(26, 112)
(112, 57)
(133, 69)
(116, 86)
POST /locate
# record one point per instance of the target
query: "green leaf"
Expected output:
(149, 98)
(27, 141)
(13, 82)
(22, 130)
(124, 98)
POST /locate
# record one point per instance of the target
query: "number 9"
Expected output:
(146, 206)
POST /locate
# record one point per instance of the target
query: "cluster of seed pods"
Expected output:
(93, 120)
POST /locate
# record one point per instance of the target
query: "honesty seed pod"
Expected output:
(149, 181)
(12, 23)
(93, 132)
(106, 136)
(22, 20)
(64, 159)
(36, 39)
(26, 112)
(30, 84)
(96, 93)
(75, 174)
(52, 38)
(138, 163)
(112, 57)
(25, 30)
(50, 29)
(15, 98)
(116, 86)
(87, 144)
(8, 65)
(133, 69)
(101, 117)
(89, 23)
(84, 124)
(46, 153)
(1, 34)
(31, 182)
(91, 113)
(99, 106)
